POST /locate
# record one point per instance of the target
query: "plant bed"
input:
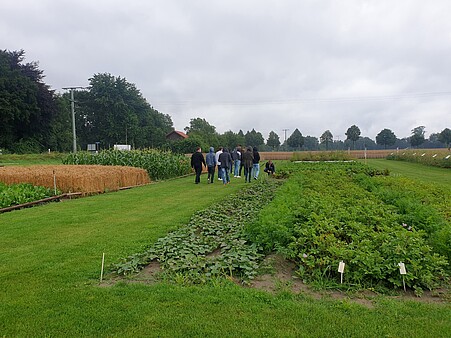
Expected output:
(24, 194)
(86, 179)
(327, 213)
(159, 164)
(212, 244)
(437, 157)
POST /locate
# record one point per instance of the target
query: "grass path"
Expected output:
(427, 174)
(49, 268)
(60, 245)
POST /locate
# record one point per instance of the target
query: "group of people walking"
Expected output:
(228, 163)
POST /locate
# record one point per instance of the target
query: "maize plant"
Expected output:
(159, 164)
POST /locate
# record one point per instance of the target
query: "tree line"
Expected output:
(33, 118)
(202, 133)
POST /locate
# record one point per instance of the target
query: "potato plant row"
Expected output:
(326, 213)
(159, 164)
(17, 194)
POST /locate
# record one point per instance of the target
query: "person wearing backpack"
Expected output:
(210, 159)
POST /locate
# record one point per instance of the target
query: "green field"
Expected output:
(29, 159)
(50, 265)
(428, 174)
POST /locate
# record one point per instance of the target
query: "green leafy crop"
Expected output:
(159, 164)
(16, 194)
(327, 213)
(212, 244)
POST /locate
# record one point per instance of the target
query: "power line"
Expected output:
(311, 99)
(285, 136)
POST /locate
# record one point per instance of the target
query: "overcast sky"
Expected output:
(314, 65)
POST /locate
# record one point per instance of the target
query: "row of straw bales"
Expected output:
(76, 178)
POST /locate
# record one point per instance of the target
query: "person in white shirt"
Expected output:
(219, 152)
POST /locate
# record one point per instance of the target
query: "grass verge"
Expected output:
(428, 174)
(28, 159)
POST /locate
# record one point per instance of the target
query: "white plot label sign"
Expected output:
(341, 270)
(402, 268)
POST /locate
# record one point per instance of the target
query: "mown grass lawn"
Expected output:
(416, 171)
(29, 159)
(50, 260)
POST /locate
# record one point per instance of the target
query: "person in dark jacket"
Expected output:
(247, 159)
(210, 159)
(197, 159)
(226, 161)
(256, 165)
(270, 168)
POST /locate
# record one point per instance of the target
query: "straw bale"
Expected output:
(76, 178)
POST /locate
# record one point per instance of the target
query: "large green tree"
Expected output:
(203, 130)
(326, 138)
(231, 140)
(30, 119)
(273, 140)
(254, 138)
(417, 137)
(445, 137)
(188, 145)
(385, 138)
(311, 143)
(296, 140)
(113, 111)
(353, 134)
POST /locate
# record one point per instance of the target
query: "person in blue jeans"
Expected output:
(218, 163)
(256, 165)
(236, 157)
(226, 160)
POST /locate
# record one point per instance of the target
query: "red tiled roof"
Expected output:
(180, 133)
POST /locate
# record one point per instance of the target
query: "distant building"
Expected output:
(126, 147)
(176, 136)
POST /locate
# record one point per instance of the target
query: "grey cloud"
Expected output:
(273, 65)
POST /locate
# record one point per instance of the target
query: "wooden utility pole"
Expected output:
(285, 137)
(72, 106)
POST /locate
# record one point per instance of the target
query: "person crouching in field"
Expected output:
(197, 159)
(211, 164)
(269, 168)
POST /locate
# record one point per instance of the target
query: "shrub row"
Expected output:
(441, 158)
(159, 164)
(320, 156)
